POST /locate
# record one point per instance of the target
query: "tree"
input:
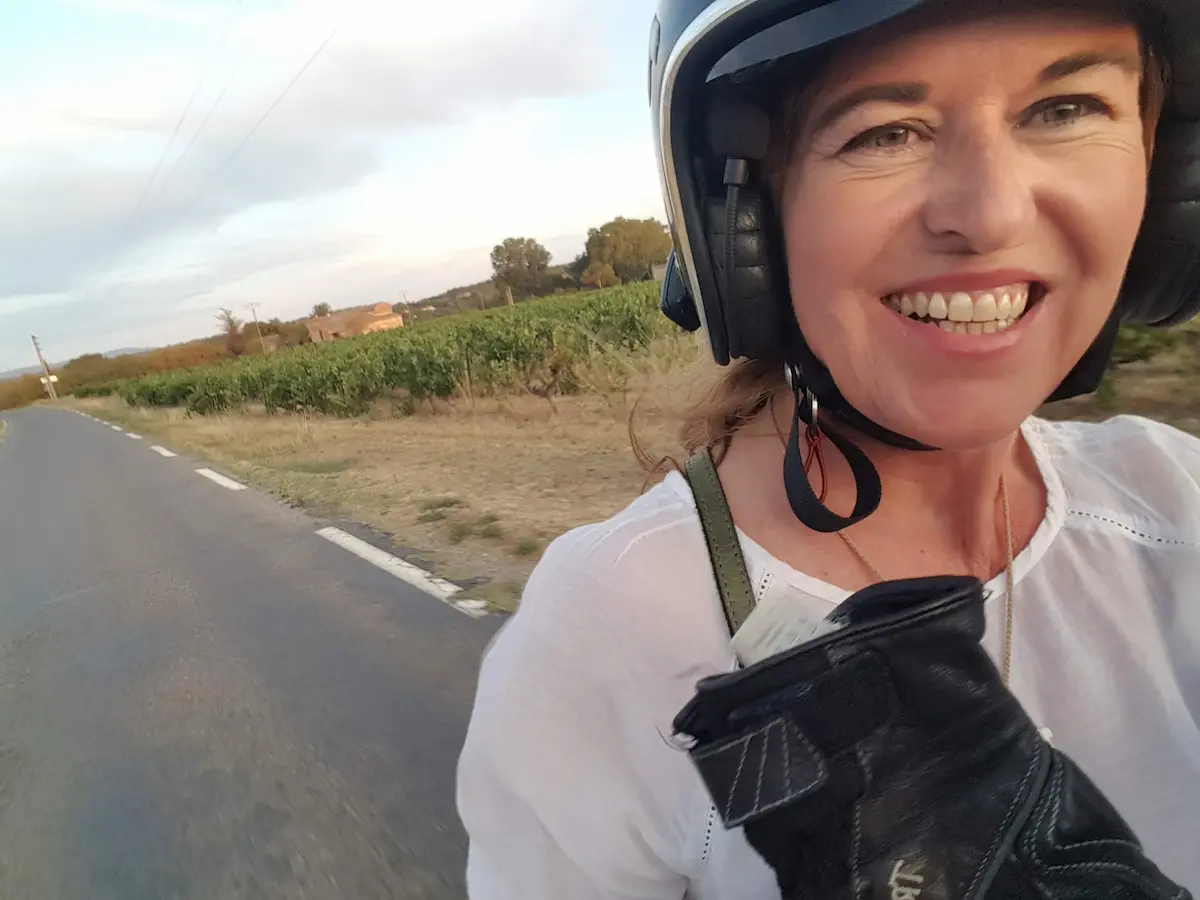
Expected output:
(631, 247)
(577, 266)
(231, 328)
(321, 309)
(599, 275)
(291, 334)
(520, 264)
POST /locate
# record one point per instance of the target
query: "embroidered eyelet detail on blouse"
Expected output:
(763, 584)
(706, 851)
(1169, 542)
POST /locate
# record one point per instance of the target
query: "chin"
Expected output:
(953, 426)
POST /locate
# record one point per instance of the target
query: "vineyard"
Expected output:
(534, 346)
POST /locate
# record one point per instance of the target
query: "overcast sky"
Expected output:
(421, 135)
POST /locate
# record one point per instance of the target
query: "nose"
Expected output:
(981, 197)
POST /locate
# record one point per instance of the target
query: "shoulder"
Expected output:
(642, 578)
(1129, 471)
(573, 712)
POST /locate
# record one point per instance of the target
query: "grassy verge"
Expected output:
(475, 490)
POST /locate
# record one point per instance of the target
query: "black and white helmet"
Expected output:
(699, 47)
(714, 65)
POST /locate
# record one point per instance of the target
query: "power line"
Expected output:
(188, 108)
(128, 228)
(254, 129)
(204, 123)
(263, 118)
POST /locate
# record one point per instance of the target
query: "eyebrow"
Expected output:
(907, 94)
(1078, 62)
(914, 92)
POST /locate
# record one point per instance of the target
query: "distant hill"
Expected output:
(37, 370)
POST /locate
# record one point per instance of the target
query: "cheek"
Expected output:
(1103, 199)
(834, 233)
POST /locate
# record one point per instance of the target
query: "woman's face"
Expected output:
(958, 215)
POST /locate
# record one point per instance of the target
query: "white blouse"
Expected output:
(570, 787)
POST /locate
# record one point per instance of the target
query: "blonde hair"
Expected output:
(746, 387)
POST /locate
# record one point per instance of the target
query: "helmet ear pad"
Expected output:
(744, 243)
(1162, 283)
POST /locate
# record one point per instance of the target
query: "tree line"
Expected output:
(622, 251)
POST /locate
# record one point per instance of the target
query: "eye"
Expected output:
(896, 137)
(1060, 112)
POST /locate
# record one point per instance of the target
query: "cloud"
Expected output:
(363, 139)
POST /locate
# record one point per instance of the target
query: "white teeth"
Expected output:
(984, 308)
(960, 308)
(987, 312)
(937, 307)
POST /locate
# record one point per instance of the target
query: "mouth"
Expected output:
(969, 312)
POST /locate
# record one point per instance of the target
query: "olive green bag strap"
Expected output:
(724, 549)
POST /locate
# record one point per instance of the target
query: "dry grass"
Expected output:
(1163, 388)
(475, 491)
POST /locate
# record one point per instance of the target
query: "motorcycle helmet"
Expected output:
(712, 67)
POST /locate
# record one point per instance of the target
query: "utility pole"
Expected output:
(48, 378)
(253, 307)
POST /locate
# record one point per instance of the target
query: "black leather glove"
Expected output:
(887, 761)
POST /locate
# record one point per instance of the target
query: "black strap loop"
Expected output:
(803, 500)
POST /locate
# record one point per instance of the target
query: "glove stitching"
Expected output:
(856, 863)
(1056, 808)
(820, 774)
(787, 764)
(745, 742)
(762, 762)
(1012, 813)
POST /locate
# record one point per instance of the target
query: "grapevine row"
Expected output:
(534, 346)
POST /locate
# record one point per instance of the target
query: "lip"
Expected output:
(963, 346)
(969, 281)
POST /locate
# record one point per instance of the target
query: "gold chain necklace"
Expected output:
(1006, 666)
(1006, 653)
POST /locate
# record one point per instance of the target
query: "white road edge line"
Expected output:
(116, 427)
(130, 434)
(161, 451)
(436, 587)
(220, 479)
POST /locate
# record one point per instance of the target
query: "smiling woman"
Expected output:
(903, 225)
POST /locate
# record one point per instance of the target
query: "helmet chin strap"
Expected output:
(806, 505)
(811, 374)
(813, 387)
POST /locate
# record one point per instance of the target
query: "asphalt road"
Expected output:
(200, 698)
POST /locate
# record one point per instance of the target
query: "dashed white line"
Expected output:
(161, 451)
(116, 427)
(436, 587)
(130, 434)
(220, 479)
